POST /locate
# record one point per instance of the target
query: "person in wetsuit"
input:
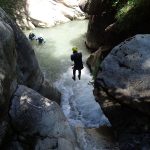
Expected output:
(40, 40)
(78, 64)
(32, 36)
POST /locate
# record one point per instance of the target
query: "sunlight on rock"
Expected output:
(146, 64)
(2, 76)
(28, 99)
(71, 2)
(47, 102)
(48, 13)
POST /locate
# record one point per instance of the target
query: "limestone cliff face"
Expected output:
(45, 13)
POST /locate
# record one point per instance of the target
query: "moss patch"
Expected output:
(134, 16)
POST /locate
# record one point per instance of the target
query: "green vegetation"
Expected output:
(12, 7)
(125, 9)
(132, 14)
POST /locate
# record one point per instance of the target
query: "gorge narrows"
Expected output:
(78, 102)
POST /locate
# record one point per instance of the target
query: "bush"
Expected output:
(12, 7)
(133, 15)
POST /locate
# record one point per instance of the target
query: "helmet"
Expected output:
(74, 49)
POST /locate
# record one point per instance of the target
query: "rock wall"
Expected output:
(123, 87)
(101, 23)
(28, 71)
(19, 66)
(7, 75)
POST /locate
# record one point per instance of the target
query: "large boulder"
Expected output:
(123, 86)
(40, 119)
(7, 74)
(101, 31)
(45, 13)
(126, 73)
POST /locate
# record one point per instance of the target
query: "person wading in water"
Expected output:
(40, 40)
(78, 64)
(32, 36)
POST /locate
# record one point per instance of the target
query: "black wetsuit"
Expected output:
(78, 64)
(31, 36)
(40, 40)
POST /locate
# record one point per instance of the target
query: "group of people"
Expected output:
(76, 57)
(39, 39)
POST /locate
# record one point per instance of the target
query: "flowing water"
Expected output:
(77, 103)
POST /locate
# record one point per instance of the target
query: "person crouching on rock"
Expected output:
(40, 40)
(32, 36)
(78, 64)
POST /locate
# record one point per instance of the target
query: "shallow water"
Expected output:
(78, 103)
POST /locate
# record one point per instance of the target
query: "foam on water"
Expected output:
(78, 102)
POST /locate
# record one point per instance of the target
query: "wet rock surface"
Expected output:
(123, 91)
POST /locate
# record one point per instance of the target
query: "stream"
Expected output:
(84, 114)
